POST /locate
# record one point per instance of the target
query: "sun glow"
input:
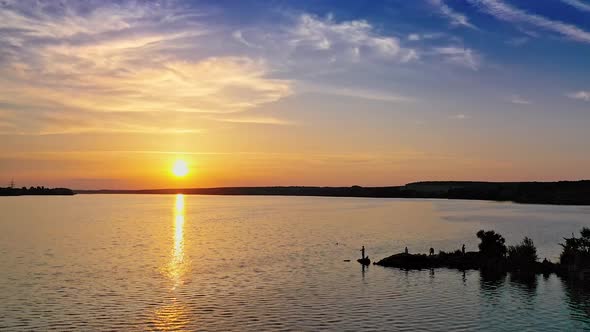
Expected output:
(180, 168)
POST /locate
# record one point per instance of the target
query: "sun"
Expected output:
(180, 168)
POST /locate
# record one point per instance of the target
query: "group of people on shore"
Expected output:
(407, 252)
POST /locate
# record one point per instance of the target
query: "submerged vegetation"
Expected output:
(494, 256)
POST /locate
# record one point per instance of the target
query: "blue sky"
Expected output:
(384, 91)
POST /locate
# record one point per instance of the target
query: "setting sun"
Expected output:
(180, 168)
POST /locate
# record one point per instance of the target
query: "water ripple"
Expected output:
(164, 263)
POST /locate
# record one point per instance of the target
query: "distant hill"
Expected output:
(35, 191)
(562, 192)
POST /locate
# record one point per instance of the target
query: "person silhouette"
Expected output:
(406, 250)
(463, 249)
(363, 252)
(431, 251)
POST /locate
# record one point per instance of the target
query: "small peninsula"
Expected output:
(495, 257)
(37, 191)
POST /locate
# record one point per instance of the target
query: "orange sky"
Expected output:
(110, 95)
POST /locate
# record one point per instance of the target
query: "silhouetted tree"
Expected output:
(576, 251)
(492, 244)
(523, 254)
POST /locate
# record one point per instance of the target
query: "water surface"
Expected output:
(173, 263)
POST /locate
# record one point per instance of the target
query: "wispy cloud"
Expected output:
(255, 120)
(70, 69)
(506, 12)
(578, 4)
(456, 18)
(134, 66)
(414, 37)
(352, 37)
(579, 95)
(462, 56)
(517, 41)
(426, 36)
(516, 99)
(238, 35)
(460, 117)
(356, 93)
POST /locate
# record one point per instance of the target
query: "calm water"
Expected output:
(125, 262)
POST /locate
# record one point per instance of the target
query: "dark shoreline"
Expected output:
(36, 191)
(494, 257)
(553, 193)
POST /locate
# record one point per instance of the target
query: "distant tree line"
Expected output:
(563, 192)
(40, 190)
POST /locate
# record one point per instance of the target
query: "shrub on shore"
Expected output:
(576, 251)
(523, 254)
(492, 244)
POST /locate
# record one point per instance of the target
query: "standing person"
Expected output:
(406, 250)
(363, 252)
(463, 249)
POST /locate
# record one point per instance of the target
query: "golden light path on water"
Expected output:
(177, 266)
(172, 316)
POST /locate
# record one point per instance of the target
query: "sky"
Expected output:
(110, 94)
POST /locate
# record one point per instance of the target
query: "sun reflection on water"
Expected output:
(172, 316)
(177, 266)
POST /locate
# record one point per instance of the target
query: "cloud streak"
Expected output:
(506, 12)
(579, 95)
(578, 4)
(454, 17)
(518, 100)
(462, 56)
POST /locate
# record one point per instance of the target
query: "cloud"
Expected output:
(414, 37)
(356, 93)
(578, 4)
(69, 69)
(460, 117)
(134, 66)
(238, 35)
(455, 18)
(509, 13)
(579, 95)
(516, 99)
(462, 56)
(424, 36)
(255, 120)
(518, 41)
(356, 37)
